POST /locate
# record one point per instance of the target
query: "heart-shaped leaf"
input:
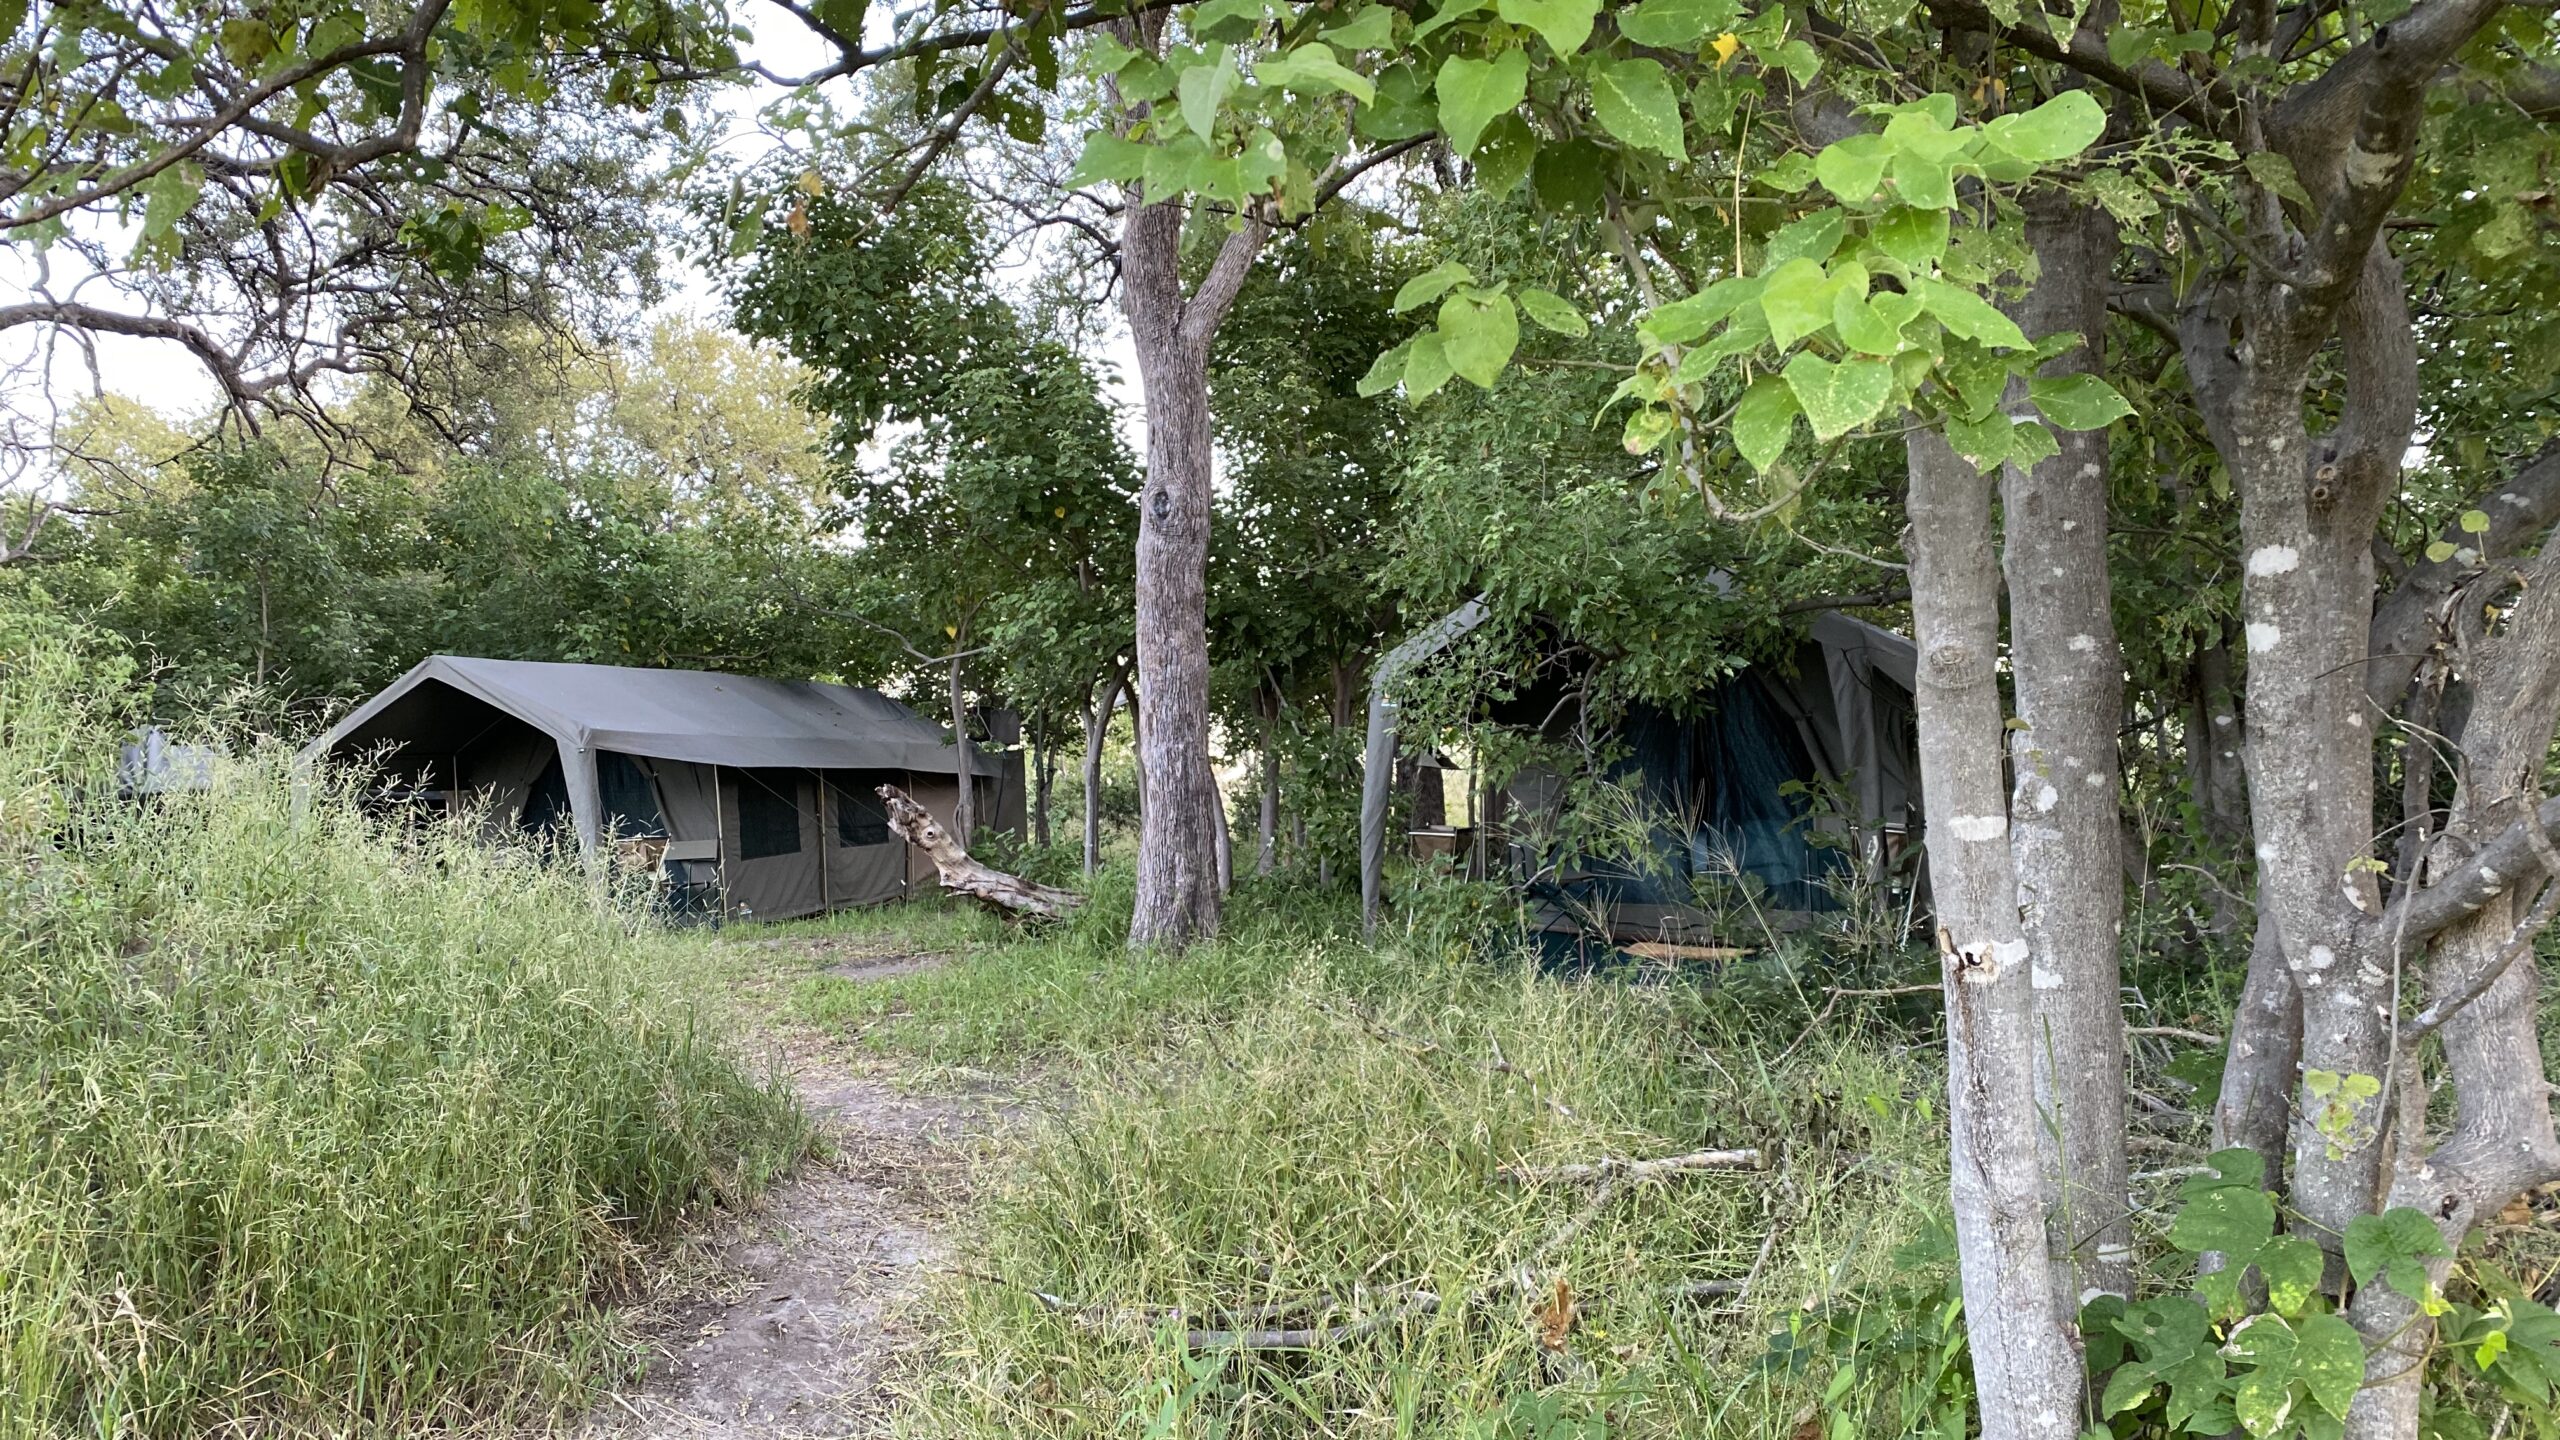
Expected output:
(1479, 335)
(1764, 420)
(1635, 102)
(1566, 24)
(1838, 398)
(1473, 92)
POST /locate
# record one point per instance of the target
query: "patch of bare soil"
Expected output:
(797, 1314)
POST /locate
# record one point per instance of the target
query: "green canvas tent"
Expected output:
(761, 789)
(1713, 776)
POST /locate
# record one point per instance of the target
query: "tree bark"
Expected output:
(964, 876)
(1097, 730)
(1043, 759)
(2026, 1369)
(964, 813)
(2064, 832)
(1267, 852)
(1177, 899)
(1224, 837)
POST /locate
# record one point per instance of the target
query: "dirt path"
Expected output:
(793, 1318)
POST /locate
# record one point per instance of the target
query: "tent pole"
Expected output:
(825, 906)
(719, 843)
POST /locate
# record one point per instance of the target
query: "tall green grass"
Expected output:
(1294, 1112)
(308, 1125)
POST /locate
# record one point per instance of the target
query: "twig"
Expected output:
(1835, 997)
(1616, 1167)
(2174, 1032)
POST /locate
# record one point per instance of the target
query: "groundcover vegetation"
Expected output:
(310, 1125)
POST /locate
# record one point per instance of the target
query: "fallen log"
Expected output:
(961, 875)
(1613, 1167)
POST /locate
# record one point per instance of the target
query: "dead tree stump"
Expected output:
(961, 875)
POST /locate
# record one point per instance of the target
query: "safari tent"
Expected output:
(758, 795)
(1712, 777)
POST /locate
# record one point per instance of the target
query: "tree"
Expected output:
(2309, 150)
(339, 190)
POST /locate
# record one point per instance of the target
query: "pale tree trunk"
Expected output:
(2482, 989)
(1043, 757)
(1225, 835)
(2026, 1368)
(964, 812)
(2064, 832)
(1097, 730)
(1177, 899)
(1267, 851)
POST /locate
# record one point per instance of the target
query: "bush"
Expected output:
(309, 1124)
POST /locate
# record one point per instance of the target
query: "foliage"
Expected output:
(311, 1124)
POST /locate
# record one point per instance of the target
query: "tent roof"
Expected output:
(691, 715)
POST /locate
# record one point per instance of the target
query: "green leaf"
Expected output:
(2291, 1267)
(2078, 402)
(2475, 522)
(1969, 315)
(1473, 92)
(1313, 69)
(2055, 130)
(1505, 154)
(1404, 107)
(1479, 335)
(1860, 326)
(1812, 238)
(1431, 284)
(1838, 398)
(1985, 441)
(1446, 16)
(1636, 103)
(1677, 24)
(1566, 24)
(1109, 157)
(2233, 1219)
(1385, 372)
(2329, 1357)
(1796, 298)
(1551, 312)
(1923, 182)
(2439, 551)
(1915, 238)
(2276, 173)
(1647, 428)
(1853, 168)
(1686, 319)
(1426, 366)
(1789, 173)
(1764, 420)
(2391, 1245)
(1372, 29)
(1204, 87)
(1227, 21)
(2031, 443)
(1567, 178)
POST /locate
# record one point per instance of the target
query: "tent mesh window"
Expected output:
(862, 817)
(546, 805)
(630, 801)
(768, 816)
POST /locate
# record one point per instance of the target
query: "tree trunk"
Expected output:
(1097, 730)
(2064, 834)
(1177, 900)
(964, 813)
(1267, 852)
(2026, 1369)
(1224, 836)
(964, 876)
(1043, 758)
(2255, 1111)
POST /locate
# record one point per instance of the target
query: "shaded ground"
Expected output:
(789, 1322)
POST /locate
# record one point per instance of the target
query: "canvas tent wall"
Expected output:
(767, 783)
(1709, 775)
